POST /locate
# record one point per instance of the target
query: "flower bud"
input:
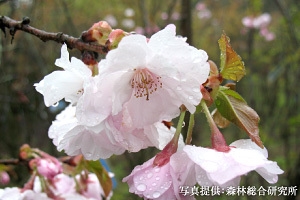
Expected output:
(115, 37)
(4, 178)
(98, 32)
(48, 168)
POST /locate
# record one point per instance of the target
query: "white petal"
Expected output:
(58, 85)
(63, 61)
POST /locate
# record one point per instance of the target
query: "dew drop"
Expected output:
(178, 88)
(157, 169)
(153, 184)
(157, 178)
(149, 175)
(88, 154)
(183, 124)
(191, 97)
(156, 194)
(141, 187)
(196, 89)
(55, 104)
(147, 171)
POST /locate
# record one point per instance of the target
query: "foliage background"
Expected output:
(270, 86)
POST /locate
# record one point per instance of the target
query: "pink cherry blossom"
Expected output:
(154, 78)
(66, 84)
(225, 168)
(16, 193)
(153, 182)
(94, 189)
(262, 20)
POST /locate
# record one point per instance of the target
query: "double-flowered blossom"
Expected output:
(140, 84)
(153, 77)
(207, 167)
(107, 138)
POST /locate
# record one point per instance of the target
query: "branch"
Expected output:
(77, 43)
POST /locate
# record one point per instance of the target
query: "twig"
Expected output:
(77, 43)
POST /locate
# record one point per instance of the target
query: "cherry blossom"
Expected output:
(66, 84)
(109, 137)
(16, 193)
(155, 77)
(74, 138)
(225, 168)
(153, 182)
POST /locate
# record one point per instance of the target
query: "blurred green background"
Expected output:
(270, 87)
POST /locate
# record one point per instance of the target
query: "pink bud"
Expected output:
(48, 168)
(163, 157)
(4, 178)
(115, 37)
(98, 32)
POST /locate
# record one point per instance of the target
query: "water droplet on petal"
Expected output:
(153, 184)
(147, 171)
(157, 178)
(178, 88)
(149, 175)
(196, 89)
(141, 187)
(157, 169)
(191, 97)
(156, 194)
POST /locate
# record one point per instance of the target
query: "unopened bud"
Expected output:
(163, 157)
(25, 152)
(115, 37)
(4, 178)
(98, 32)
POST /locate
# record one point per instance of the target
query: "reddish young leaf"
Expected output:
(232, 66)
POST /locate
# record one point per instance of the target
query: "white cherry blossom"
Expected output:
(154, 77)
(67, 83)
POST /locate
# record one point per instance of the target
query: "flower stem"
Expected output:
(188, 139)
(179, 124)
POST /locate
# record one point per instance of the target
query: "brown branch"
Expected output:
(77, 43)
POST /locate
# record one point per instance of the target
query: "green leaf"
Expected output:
(235, 109)
(101, 173)
(232, 66)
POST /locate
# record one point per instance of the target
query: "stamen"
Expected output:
(145, 83)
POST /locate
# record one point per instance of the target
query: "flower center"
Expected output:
(145, 83)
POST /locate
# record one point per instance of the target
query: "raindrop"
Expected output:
(157, 169)
(141, 187)
(147, 171)
(183, 124)
(88, 154)
(196, 89)
(153, 184)
(183, 80)
(191, 97)
(156, 194)
(149, 175)
(178, 88)
(157, 178)
(141, 178)
(55, 104)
